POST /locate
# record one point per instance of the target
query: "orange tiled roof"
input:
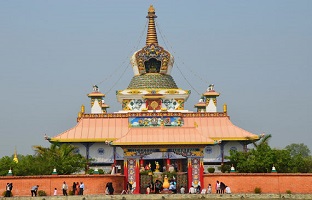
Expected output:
(163, 136)
(95, 130)
(196, 130)
(219, 128)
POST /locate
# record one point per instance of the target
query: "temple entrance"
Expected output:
(177, 171)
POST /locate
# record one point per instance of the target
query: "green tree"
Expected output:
(6, 163)
(59, 156)
(298, 149)
(259, 159)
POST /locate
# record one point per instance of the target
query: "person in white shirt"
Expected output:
(192, 190)
(182, 190)
(228, 190)
(209, 190)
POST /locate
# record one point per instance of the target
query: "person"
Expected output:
(222, 187)
(192, 190)
(129, 187)
(55, 192)
(148, 190)
(209, 189)
(204, 191)
(81, 188)
(110, 188)
(182, 190)
(228, 190)
(106, 189)
(8, 190)
(196, 185)
(173, 186)
(157, 187)
(77, 188)
(34, 190)
(151, 185)
(74, 188)
(218, 187)
(64, 188)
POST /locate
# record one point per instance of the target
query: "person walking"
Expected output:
(81, 188)
(65, 188)
(77, 189)
(74, 188)
(34, 190)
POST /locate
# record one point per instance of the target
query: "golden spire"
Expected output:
(151, 37)
(15, 159)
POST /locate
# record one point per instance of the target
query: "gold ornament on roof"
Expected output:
(151, 9)
(82, 109)
(224, 108)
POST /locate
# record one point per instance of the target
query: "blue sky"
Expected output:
(256, 53)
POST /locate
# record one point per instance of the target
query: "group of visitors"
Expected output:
(78, 188)
(220, 188)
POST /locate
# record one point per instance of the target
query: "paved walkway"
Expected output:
(170, 197)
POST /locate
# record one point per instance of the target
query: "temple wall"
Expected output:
(94, 184)
(268, 182)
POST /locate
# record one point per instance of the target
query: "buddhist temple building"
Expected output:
(153, 128)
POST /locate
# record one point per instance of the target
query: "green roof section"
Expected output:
(152, 81)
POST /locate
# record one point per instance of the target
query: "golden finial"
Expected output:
(82, 109)
(151, 37)
(15, 159)
(151, 9)
(224, 108)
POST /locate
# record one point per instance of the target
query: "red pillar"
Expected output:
(168, 163)
(189, 173)
(141, 162)
(137, 177)
(201, 173)
(126, 172)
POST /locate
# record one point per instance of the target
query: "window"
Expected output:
(208, 150)
(101, 151)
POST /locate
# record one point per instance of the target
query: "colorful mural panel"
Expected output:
(155, 121)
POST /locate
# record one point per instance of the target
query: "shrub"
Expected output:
(258, 190)
(3, 194)
(42, 193)
(70, 192)
(288, 192)
(211, 169)
(225, 168)
(90, 171)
